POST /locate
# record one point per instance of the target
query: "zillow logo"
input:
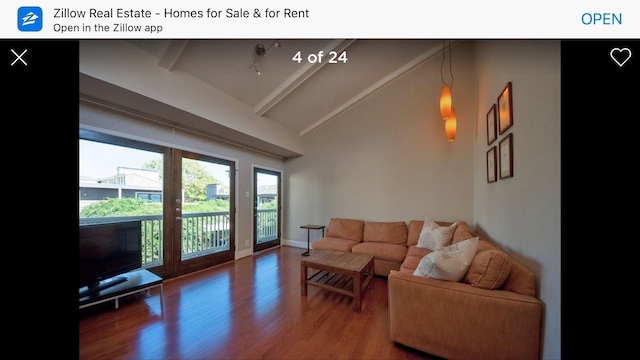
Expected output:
(30, 18)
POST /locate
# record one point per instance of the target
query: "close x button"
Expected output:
(19, 58)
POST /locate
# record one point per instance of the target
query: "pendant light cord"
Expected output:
(444, 56)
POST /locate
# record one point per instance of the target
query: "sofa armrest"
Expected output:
(456, 320)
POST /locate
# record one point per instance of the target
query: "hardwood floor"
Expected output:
(250, 308)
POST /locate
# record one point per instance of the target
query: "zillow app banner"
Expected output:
(197, 19)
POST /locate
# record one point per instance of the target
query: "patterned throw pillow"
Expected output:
(434, 236)
(449, 263)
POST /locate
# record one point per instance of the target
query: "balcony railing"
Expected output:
(267, 221)
(202, 233)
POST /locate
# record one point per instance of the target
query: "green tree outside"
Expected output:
(134, 207)
(273, 204)
(195, 178)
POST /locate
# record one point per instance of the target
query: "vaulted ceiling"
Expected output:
(300, 83)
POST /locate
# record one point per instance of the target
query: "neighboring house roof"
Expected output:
(87, 179)
(264, 190)
(131, 179)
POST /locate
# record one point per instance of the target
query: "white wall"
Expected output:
(387, 158)
(522, 214)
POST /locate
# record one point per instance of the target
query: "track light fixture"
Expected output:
(261, 51)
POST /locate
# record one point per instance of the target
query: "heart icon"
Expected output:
(620, 56)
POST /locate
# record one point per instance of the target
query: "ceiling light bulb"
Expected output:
(257, 71)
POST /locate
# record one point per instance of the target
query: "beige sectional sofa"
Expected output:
(491, 313)
(385, 241)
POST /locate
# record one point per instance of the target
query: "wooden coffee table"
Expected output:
(346, 273)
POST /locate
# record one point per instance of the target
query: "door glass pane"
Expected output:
(267, 207)
(119, 182)
(206, 223)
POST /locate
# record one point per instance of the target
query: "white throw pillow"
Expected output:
(450, 263)
(435, 237)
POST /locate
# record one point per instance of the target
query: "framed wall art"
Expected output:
(491, 125)
(505, 109)
(492, 172)
(506, 157)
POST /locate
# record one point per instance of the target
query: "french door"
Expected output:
(203, 211)
(267, 187)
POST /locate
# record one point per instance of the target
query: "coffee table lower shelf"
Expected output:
(342, 284)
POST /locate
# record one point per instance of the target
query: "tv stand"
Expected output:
(104, 284)
(126, 284)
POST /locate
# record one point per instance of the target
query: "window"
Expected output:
(120, 179)
(150, 197)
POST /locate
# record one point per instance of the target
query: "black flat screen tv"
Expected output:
(107, 250)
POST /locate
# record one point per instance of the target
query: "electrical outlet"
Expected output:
(246, 243)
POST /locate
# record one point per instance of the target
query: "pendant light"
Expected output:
(450, 125)
(446, 103)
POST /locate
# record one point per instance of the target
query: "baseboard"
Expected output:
(243, 253)
(292, 243)
(295, 243)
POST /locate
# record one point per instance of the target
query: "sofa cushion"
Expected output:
(484, 245)
(462, 232)
(382, 251)
(435, 237)
(345, 229)
(414, 229)
(331, 243)
(489, 270)
(520, 280)
(412, 259)
(385, 232)
(449, 263)
(417, 252)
